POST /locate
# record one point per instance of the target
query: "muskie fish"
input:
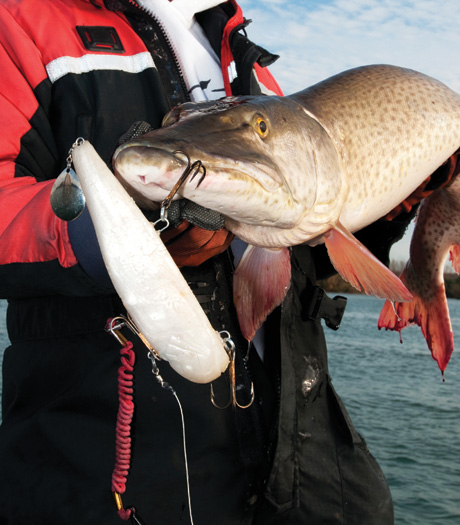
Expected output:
(145, 276)
(311, 167)
(436, 234)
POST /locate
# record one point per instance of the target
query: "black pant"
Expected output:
(57, 440)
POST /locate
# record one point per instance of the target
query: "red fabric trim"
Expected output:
(226, 56)
(267, 79)
(29, 231)
(263, 74)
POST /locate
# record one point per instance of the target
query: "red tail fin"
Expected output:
(432, 317)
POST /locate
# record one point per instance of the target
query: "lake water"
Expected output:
(395, 396)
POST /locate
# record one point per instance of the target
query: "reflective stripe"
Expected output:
(232, 74)
(130, 64)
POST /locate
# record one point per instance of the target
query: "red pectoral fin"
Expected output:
(260, 283)
(360, 268)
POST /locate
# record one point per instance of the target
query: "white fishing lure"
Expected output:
(145, 276)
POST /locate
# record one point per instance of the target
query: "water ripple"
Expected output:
(408, 416)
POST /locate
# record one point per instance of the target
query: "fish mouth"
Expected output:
(153, 168)
(245, 188)
(149, 171)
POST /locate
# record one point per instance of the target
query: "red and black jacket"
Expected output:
(293, 454)
(92, 77)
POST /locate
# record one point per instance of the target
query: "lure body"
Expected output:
(153, 290)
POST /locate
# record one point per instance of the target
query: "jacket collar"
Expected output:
(187, 9)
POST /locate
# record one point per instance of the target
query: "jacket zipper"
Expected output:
(166, 42)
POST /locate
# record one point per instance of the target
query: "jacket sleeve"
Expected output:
(36, 256)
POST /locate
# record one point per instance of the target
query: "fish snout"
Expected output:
(142, 156)
(152, 172)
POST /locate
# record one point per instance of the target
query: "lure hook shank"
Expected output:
(192, 169)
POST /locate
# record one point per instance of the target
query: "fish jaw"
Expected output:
(147, 182)
(145, 276)
(228, 189)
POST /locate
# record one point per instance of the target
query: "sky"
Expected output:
(317, 39)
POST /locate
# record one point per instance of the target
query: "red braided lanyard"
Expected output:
(123, 428)
(124, 418)
(126, 412)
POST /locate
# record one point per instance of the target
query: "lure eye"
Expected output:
(261, 127)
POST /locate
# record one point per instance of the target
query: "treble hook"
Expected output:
(196, 167)
(230, 349)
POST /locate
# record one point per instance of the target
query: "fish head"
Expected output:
(259, 155)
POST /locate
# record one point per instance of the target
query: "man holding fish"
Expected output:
(287, 453)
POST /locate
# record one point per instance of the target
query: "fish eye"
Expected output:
(261, 126)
